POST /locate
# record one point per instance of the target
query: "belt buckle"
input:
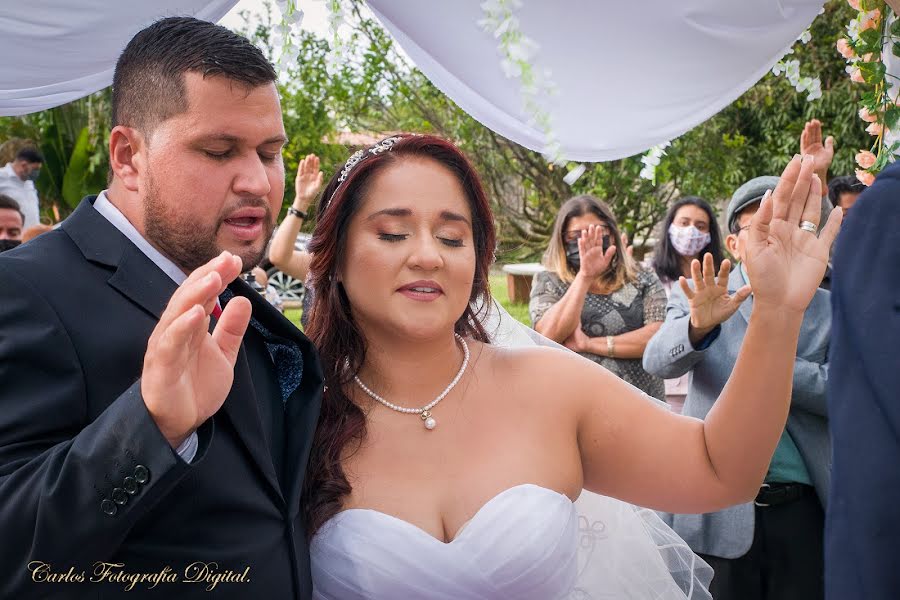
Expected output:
(761, 488)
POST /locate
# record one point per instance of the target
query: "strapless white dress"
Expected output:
(526, 543)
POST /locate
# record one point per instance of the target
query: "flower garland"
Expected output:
(516, 51)
(285, 32)
(651, 160)
(791, 69)
(336, 17)
(867, 35)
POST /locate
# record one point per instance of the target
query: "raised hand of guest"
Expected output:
(710, 302)
(812, 144)
(594, 261)
(308, 182)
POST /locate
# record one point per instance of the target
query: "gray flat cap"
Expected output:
(747, 194)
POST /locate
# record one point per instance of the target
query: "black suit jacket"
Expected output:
(77, 306)
(863, 522)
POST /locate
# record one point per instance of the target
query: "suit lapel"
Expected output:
(301, 410)
(141, 281)
(243, 412)
(135, 276)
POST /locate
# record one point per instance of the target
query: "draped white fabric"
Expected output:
(56, 51)
(629, 75)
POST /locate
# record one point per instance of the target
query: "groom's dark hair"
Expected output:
(148, 85)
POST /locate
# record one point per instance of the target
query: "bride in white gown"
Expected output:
(445, 466)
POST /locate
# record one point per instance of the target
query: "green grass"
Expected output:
(498, 289)
(293, 315)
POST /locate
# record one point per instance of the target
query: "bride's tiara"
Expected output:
(360, 155)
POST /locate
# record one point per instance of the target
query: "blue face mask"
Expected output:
(33, 176)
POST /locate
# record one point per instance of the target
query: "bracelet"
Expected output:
(297, 213)
(610, 346)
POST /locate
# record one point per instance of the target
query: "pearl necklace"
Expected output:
(425, 411)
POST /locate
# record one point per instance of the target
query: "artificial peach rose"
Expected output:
(870, 21)
(854, 4)
(866, 116)
(865, 159)
(843, 46)
(856, 76)
(865, 177)
(875, 129)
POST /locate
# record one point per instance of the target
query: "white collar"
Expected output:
(120, 222)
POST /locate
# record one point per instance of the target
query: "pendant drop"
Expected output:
(430, 422)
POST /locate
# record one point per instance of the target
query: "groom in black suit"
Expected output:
(152, 443)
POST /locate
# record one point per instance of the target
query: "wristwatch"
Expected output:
(297, 213)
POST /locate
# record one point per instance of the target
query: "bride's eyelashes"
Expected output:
(399, 237)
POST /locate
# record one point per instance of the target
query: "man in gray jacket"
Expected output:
(770, 548)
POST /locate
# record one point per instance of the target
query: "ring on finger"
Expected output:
(809, 226)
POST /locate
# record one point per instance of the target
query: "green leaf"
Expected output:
(867, 5)
(872, 72)
(895, 28)
(895, 47)
(882, 161)
(871, 38)
(73, 183)
(892, 117)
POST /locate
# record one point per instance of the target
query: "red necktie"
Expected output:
(217, 311)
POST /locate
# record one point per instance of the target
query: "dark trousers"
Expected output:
(785, 560)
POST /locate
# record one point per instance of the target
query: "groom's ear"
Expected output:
(125, 157)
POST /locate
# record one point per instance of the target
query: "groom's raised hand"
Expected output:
(188, 372)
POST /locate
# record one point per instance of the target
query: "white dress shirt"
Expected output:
(188, 448)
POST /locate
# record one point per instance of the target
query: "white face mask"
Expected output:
(688, 241)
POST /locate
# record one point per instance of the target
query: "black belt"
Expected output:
(773, 494)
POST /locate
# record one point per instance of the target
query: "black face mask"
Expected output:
(573, 256)
(8, 244)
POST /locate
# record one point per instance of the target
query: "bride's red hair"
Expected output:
(331, 327)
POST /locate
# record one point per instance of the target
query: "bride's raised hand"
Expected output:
(786, 262)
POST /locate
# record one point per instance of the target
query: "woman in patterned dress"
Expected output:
(594, 298)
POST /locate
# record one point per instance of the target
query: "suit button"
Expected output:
(130, 485)
(119, 496)
(141, 474)
(108, 507)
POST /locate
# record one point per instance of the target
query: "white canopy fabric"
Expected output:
(629, 76)
(56, 51)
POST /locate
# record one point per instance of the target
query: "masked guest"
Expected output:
(594, 298)
(689, 231)
(11, 220)
(17, 181)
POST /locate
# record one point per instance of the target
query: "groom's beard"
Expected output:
(191, 243)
